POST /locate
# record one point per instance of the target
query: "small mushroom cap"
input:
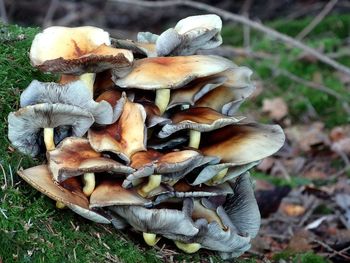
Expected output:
(137, 47)
(26, 124)
(211, 171)
(111, 192)
(75, 156)
(74, 93)
(209, 22)
(198, 119)
(194, 90)
(171, 72)
(227, 97)
(242, 144)
(116, 99)
(41, 179)
(124, 137)
(173, 224)
(76, 51)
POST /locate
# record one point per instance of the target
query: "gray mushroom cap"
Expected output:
(74, 93)
(171, 223)
(25, 125)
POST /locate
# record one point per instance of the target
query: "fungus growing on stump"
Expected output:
(155, 143)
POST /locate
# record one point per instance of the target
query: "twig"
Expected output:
(50, 13)
(3, 12)
(328, 7)
(326, 246)
(243, 20)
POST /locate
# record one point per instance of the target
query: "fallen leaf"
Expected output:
(276, 108)
(293, 210)
(300, 241)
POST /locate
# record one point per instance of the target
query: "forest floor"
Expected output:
(303, 191)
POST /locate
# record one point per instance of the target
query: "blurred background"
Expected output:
(303, 191)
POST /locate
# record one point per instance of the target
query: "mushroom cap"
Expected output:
(74, 156)
(73, 93)
(212, 170)
(124, 137)
(116, 99)
(76, 51)
(138, 47)
(227, 97)
(198, 119)
(171, 72)
(110, 192)
(242, 143)
(190, 23)
(41, 179)
(25, 125)
(171, 223)
(153, 115)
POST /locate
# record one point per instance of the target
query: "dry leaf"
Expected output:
(276, 108)
(292, 209)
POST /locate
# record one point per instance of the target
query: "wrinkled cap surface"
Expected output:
(74, 156)
(25, 125)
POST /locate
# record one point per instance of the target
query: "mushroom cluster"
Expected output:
(145, 134)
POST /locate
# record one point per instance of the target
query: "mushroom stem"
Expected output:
(162, 99)
(48, 139)
(218, 177)
(60, 205)
(188, 248)
(89, 183)
(89, 79)
(150, 238)
(195, 138)
(153, 182)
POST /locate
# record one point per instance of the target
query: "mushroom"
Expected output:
(139, 47)
(110, 192)
(197, 120)
(189, 35)
(26, 125)
(168, 167)
(170, 223)
(41, 179)
(227, 97)
(72, 93)
(233, 144)
(75, 156)
(124, 137)
(76, 50)
(165, 73)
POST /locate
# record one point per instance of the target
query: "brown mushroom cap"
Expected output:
(124, 137)
(41, 179)
(76, 51)
(110, 192)
(242, 143)
(171, 72)
(74, 156)
(198, 119)
(26, 124)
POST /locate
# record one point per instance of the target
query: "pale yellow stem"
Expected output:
(48, 139)
(217, 177)
(150, 238)
(188, 248)
(195, 139)
(88, 79)
(162, 99)
(153, 182)
(89, 183)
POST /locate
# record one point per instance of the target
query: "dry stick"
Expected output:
(243, 20)
(329, 248)
(328, 7)
(50, 13)
(3, 12)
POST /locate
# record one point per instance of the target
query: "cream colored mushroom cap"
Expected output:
(201, 21)
(55, 42)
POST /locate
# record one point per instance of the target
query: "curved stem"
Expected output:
(89, 183)
(188, 248)
(162, 99)
(48, 139)
(150, 238)
(217, 177)
(89, 79)
(195, 139)
(153, 182)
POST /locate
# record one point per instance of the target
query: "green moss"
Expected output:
(291, 256)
